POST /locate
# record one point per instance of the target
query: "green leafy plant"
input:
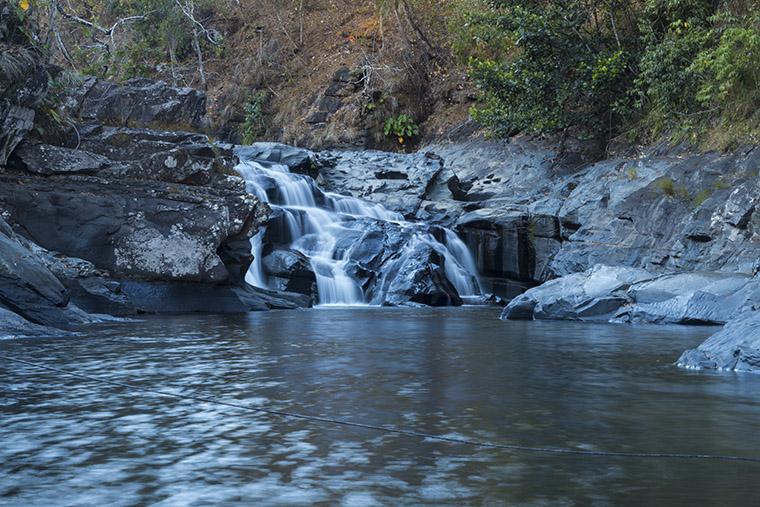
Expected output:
(402, 127)
(254, 126)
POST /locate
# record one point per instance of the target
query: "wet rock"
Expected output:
(361, 174)
(418, 275)
(291, 271)
(298, 160)
(734, 348)
(13, 325)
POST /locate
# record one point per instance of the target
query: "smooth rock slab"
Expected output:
(595, 294)
(735, 348)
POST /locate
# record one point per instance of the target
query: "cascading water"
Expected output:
(323, 227)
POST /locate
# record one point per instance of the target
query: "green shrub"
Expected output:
(401, 127)
(254, 125)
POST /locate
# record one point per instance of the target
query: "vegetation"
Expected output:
(597, 70)
(685, 68)
(253, 126)
(402, 127)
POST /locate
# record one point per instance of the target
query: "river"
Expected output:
(453, 371)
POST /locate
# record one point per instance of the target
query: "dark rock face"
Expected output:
(735, 348)
(47, 160)
(290, 271)
(32, 291)
(138, 229)
(14, 326)
(138, 103)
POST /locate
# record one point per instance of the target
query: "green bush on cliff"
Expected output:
(685, 68)
(254, 126)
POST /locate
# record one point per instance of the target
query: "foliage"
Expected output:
(552, 66)
(253, 126)
(401, 127)
(686, 68)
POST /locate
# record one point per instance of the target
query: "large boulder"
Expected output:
(596, 294)
(691, 298)
(290, 271)
(133, 229)
(734, 348)
(298, 160)
(417, 274)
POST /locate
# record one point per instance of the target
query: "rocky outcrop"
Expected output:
(126, 216)
(597, 294)
(735, 348)
(632, 295)
(32, 291)
(139, 102)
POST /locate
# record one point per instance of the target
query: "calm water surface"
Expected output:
(456, 372)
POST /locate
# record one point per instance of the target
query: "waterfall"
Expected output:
(327, 227)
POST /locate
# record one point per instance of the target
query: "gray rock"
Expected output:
(398, 182)
(691, 298)
(15, 326)
(46, 159)
(596, 294)
(735, 348)
(298, 160)
(139, 229)
(139, 103)
(290, 271)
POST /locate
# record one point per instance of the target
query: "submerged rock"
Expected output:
(735, 348)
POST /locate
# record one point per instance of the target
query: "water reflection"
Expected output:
(445, 371)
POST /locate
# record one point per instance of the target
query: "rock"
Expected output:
(184, 297)
(290, 271)
(691, 298)
(46, 159)
(29, 289)
(298, 160)
(138, 103)
(15, 326)
(596, 294)
(734, 348)
(136, 229)
(397, 181)
(417, 275)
